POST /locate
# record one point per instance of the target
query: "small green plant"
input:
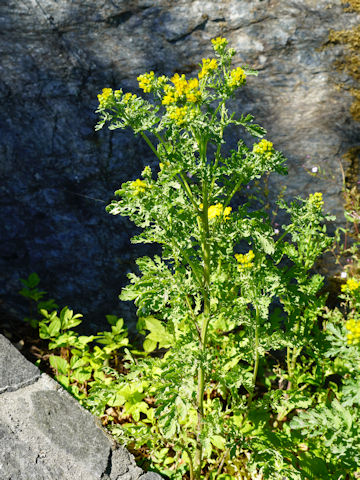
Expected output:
(78, 363)
(209, 396)
(35, 297)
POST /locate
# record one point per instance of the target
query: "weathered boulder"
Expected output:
(15, 372)
(46, 435)
(58, 174)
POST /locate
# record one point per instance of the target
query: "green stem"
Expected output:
(288, 362)
(192, 315)
(256, 366)
(280, 238)
(206, 317)
(234, 190)
(182, 176)
(148, 141)
(199, 280)
(217, 155)
(256, 355)
(159, 137)
(188, 191)
(186, 296)
(191, 466)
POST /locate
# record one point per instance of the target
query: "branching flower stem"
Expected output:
(150, 144)
(256, 359)
(205, 247)
(217, 155)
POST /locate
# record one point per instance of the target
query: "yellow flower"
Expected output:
(146, 81)
(161, 81)
(207, 67)
(353, 327)
(117, 94)
(180, 83)
(127, 97)
(182, 89)
(191, 97)
(245, 260)
(139, 186)
(178, 114)
(163, 165)
(237, 78)
(193, 84)
(181, 115)
(104, 96)
(170, 95)
(217, 210)
(350, 286)
(316, 199)
(264, 147)
(193, 94)
(219, 43)
(227, 212)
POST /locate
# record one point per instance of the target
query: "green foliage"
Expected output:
(35, 296)
(243, 373)
(77, 362)
(208, 313)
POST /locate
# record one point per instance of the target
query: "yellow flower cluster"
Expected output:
(207, 67)
(128, 96)
(170, 95)
(181, 115)
(353, 326)
(245, 260)
(146, 81)
(316, 199)
(104, 96)
(219, 43)
(350, 286)
(264, 146)
(139, 186)
(182, 87)
(117, 94)
(237, 78)
(217, 210)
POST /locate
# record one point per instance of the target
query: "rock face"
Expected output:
(46, 435)
(58, 174)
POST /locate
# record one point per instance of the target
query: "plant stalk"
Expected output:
(206, 318)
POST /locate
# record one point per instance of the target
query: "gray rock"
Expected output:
(150, 476)
(15, 371)
(58, 174)
(45, 434)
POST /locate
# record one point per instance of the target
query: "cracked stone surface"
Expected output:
(46, 435)
(58, 174)
(15, 370)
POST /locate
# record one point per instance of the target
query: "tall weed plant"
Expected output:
(244, 372)
(206, 305)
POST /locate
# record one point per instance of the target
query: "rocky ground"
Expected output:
(45, 433)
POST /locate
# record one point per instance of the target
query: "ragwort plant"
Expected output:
(205, 398)
(332, 427)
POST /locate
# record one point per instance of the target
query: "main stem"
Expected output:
(206, 318)
(256, 366)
